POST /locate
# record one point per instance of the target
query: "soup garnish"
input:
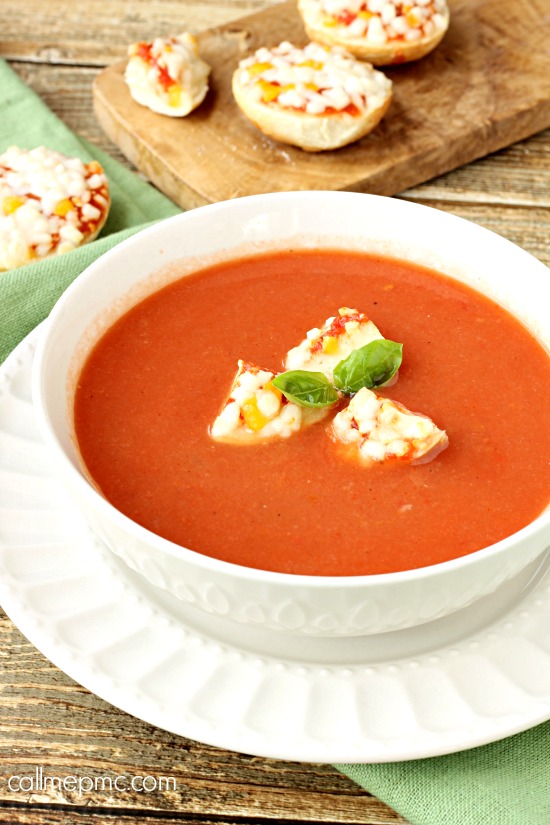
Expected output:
(262, 405)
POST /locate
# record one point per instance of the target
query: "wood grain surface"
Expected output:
(48, 721)
(45, 718)
(486, 86)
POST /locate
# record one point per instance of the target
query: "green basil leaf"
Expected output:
(307, 389)
(370, 366)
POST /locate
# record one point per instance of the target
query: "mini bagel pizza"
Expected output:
(255, 410)
(376, 429)
(380, 31)
(49, 204)
(317, 97)
(167, 75)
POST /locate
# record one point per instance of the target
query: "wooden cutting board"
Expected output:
(486, 86)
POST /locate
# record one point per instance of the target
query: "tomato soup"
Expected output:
(156, 380)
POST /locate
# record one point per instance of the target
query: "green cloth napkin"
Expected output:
(506, 783)
(28, 293)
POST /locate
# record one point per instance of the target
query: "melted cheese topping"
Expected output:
(255, 410)
(382, 429)
(167, 75)
(316, 79)
(49, 204)
(322, 349)
(382, 21)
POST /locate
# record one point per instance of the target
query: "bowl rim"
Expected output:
(211, 563)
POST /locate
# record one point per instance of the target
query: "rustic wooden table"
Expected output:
(46, 720)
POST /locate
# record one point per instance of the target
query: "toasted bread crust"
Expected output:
(313, 133)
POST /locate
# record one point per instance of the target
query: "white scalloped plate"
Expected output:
(465, 680)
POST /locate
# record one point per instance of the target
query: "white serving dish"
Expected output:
(469, 678)
(319, 606)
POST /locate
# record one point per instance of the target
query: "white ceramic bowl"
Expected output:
(321, 606)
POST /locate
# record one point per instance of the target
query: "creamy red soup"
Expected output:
(156, 380)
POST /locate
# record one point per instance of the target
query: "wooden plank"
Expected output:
(486, 86)
(516, 176)
(49, 721)
(93, 34)
(44, 815)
